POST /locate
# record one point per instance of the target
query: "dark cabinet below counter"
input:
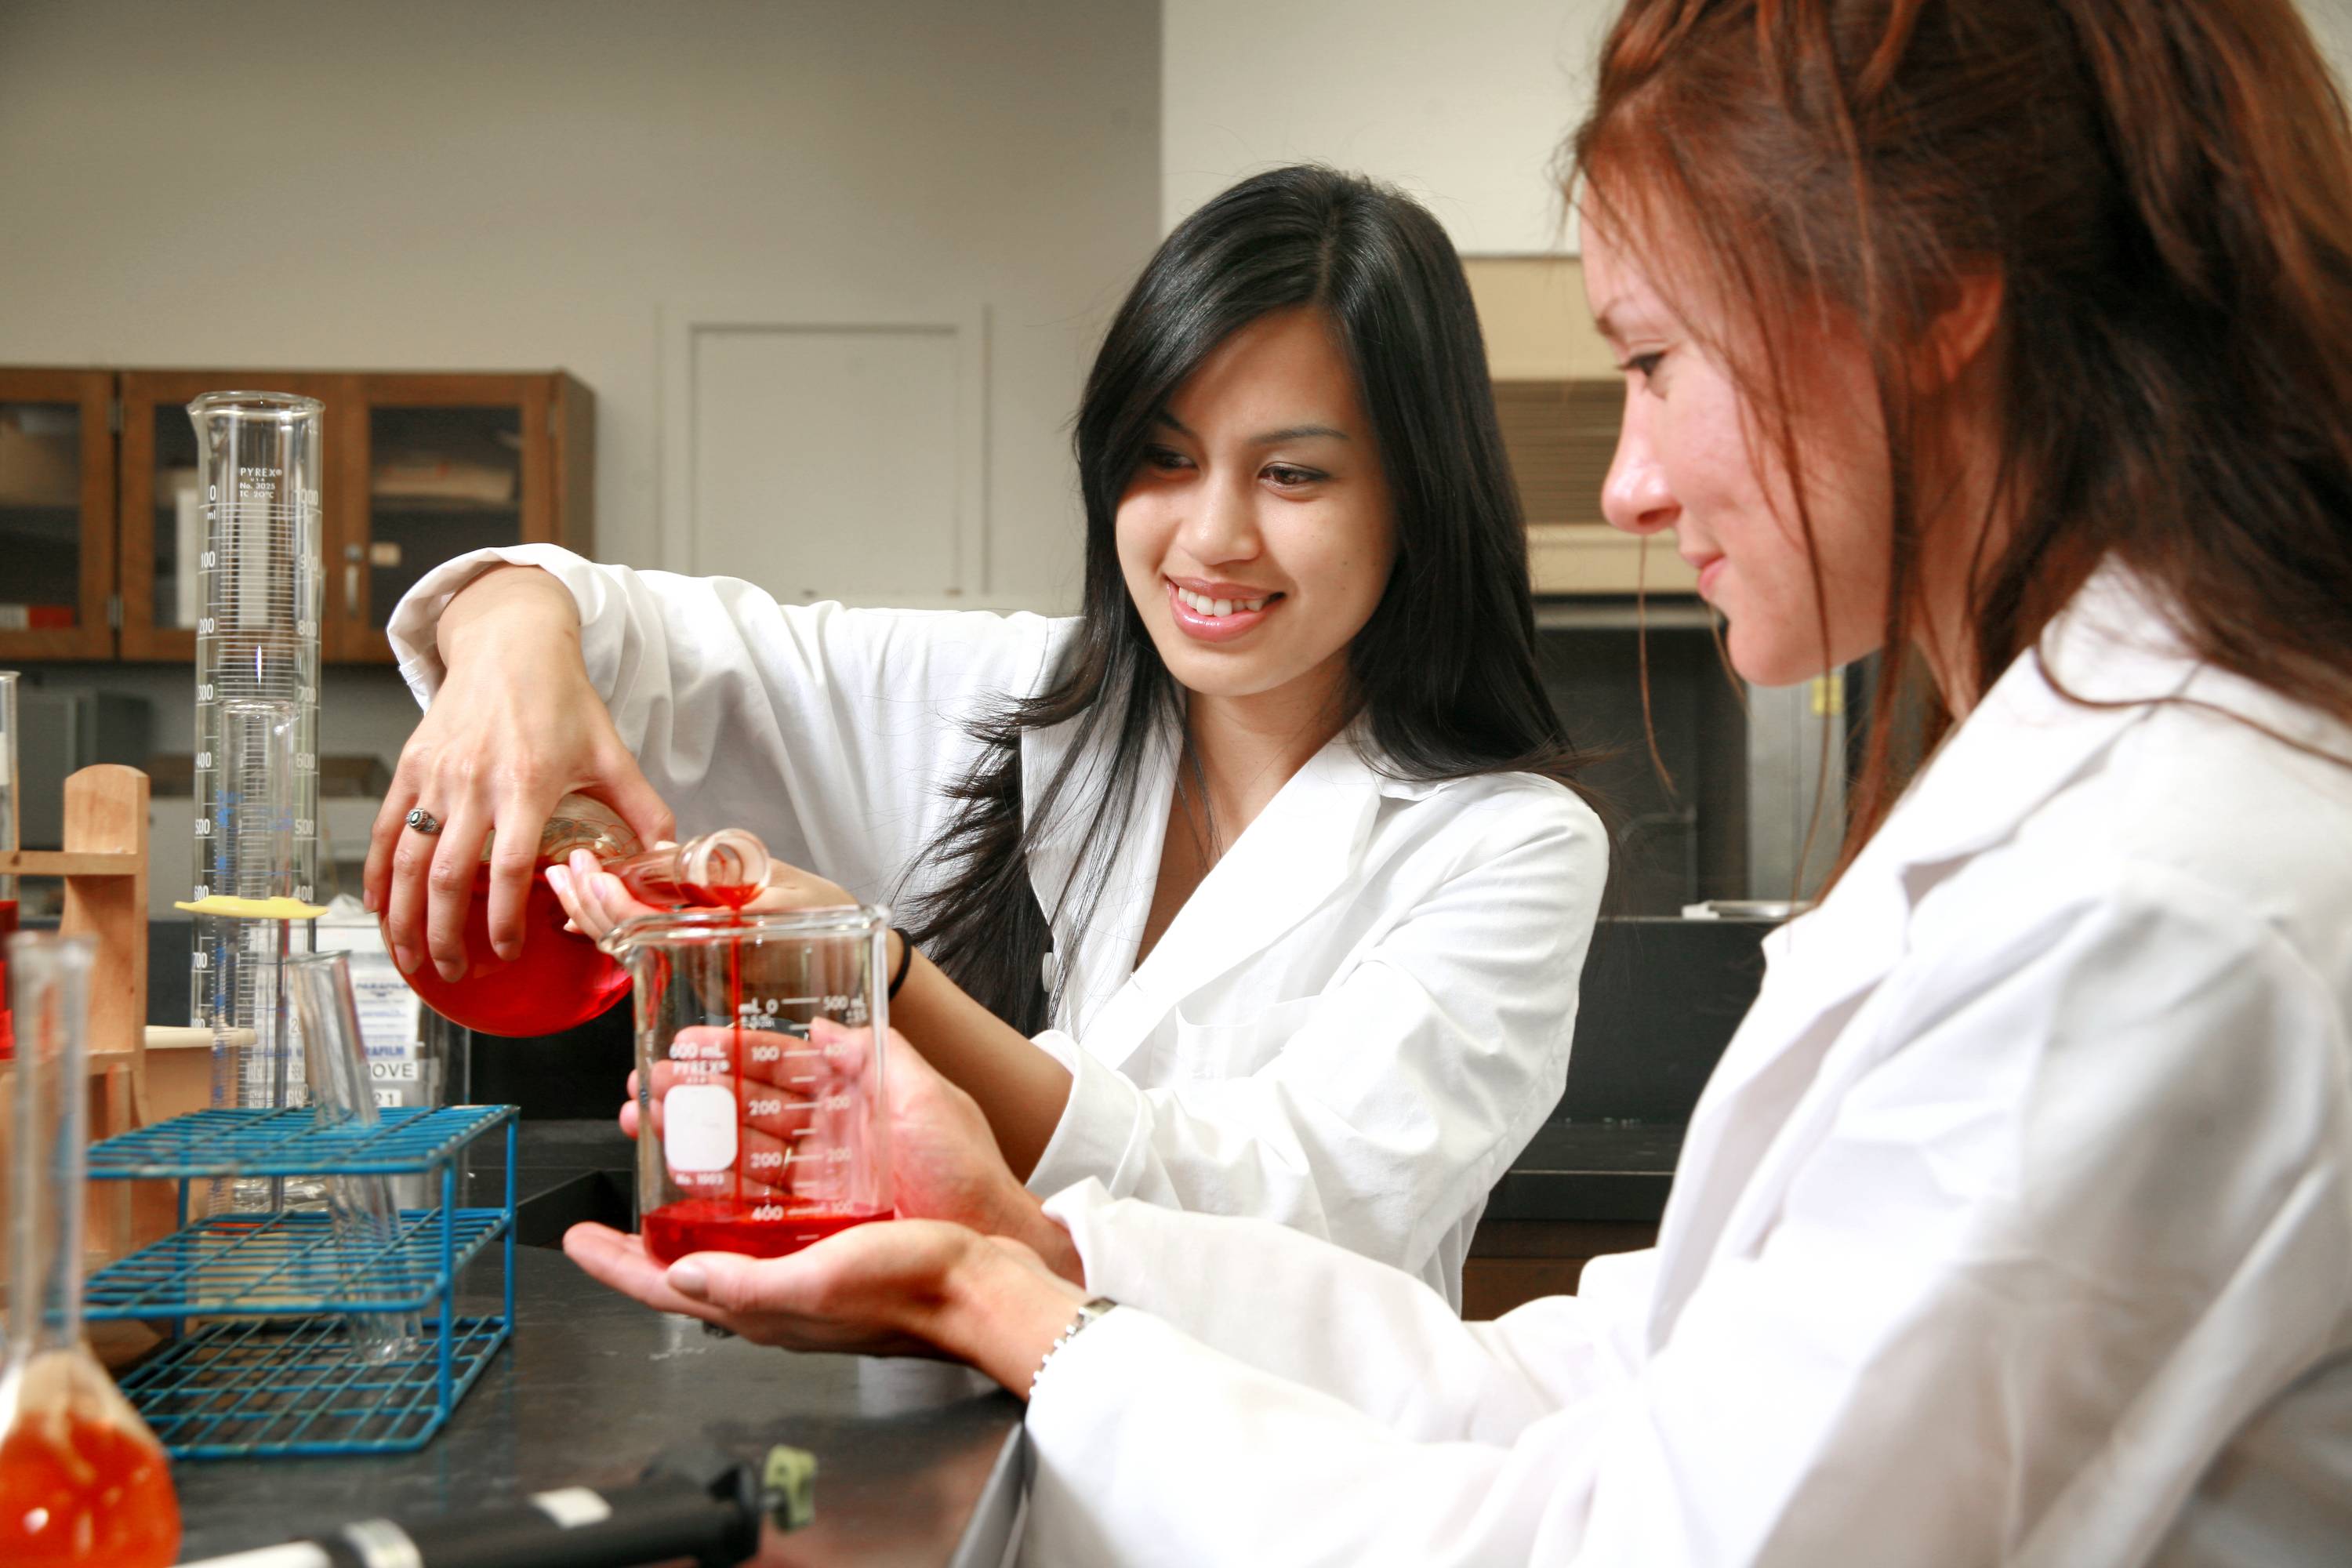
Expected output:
(1660, 1000)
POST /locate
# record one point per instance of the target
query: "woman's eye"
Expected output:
(1643, 365)
(1288, 477)
(1167, 461)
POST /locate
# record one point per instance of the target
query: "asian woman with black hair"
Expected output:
(1260, 887)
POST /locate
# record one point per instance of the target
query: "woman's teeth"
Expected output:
(1201, 604)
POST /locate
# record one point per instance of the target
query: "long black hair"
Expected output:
(1445, 671)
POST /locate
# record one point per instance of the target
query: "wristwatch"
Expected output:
(1087, 1313)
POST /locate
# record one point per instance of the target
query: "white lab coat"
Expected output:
(2015, 1224)
(1351, 1027)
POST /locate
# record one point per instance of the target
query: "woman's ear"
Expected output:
(1956, 339)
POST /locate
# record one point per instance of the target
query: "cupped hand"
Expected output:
(870, 1289)
(905, 1286)
(944, 1161)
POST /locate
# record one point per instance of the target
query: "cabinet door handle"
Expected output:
(350, 581)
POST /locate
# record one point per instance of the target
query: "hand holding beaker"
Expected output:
(910, 1286)
(944, 1158)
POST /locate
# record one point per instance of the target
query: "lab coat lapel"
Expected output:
(1788, 1067)
(1300, 848)
(1286, 862)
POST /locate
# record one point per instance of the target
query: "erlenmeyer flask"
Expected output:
(83, 1480)
(560, 980)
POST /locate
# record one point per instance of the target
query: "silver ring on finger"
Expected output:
(423, 821)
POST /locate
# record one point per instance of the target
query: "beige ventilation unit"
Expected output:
(1559, 399)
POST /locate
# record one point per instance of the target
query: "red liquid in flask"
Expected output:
(560, 980)
(726, 1225)
(79, 1491)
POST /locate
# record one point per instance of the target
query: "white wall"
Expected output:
(2332, 21)
(442, 183)
(1462, 106)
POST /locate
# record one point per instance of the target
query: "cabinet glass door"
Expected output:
(442, 480)
(57, 532)
(177, 501)
(40, 516)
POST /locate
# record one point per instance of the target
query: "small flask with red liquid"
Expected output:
(559, 980)
(761, 1120)
(83, 1480)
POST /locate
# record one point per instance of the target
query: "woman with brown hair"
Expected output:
(2010, 340)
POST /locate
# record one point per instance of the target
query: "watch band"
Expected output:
(1087, 1313)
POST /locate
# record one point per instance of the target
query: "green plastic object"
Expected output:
(789, 1487)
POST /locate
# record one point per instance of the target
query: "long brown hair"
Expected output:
(2163, 190)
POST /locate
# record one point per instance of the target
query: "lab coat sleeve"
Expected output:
(2091, 1193)
(1406, 1088)
(827, 730)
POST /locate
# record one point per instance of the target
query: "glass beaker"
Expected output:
(83, 1480)
(559, 980)
(762, 1125)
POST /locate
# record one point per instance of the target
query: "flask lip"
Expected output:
(698, 928)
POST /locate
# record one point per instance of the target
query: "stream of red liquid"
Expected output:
(105, 1499)
(8, 1018)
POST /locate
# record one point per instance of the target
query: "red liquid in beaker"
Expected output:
(78, 1491)
(728, 1224)
(8, 1018)
(561, 980)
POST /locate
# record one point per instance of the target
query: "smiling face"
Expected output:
(1257, 535)
(1695, 457)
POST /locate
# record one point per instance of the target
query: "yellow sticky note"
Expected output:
(254, 908)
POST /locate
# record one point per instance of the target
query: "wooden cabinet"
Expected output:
(429, 467)
(57, 513)
(419, 468)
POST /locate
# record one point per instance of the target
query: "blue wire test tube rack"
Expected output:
(261, 1361)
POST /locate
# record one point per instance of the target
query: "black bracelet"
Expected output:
(906, 961)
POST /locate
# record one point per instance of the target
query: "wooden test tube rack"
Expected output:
(104, 867)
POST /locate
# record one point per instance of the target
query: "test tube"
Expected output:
(8, 842)
(366, 1221)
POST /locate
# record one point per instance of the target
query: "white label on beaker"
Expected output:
(698, 1127)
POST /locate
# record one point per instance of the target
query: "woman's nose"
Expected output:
(1222, 524)
(1635, 497)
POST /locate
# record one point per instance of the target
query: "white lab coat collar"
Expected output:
(2112, 645)
(1305, 843)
